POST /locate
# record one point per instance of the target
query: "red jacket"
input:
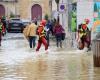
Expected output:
(58, 29)
(41, 31)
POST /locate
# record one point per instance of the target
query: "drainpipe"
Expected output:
(7, 9)
(50, 4)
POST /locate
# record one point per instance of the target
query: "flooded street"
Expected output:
(19, 62)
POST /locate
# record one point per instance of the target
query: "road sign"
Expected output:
(62, 7)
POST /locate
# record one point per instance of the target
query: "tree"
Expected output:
(12, 15)
(46, 17)
(57, 2)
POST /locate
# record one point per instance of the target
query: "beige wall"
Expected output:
(9, 8)
(46, 7)
(23, 7)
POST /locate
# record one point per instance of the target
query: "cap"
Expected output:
(87, 20)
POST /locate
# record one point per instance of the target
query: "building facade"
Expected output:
(62, 13)
(26, 9)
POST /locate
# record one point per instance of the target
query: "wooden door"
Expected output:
(36, 12)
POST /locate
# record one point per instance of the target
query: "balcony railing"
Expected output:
(8, 0)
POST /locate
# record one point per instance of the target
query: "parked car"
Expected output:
(26, 22)
(15, 25)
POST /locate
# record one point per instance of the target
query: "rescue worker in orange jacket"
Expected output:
(84, 36)
(42, 35)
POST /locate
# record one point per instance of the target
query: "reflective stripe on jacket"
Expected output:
(41, 31)
(83, 31)
(1, 27)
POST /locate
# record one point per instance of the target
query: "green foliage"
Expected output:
(57, 1)
(12, 15)
(3, 17)
(46, 17)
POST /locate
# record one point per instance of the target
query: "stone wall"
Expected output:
(23, 7)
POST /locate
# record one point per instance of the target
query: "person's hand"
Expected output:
(91, 29)
(48, 29)
(78, 40)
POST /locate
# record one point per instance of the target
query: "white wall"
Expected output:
(85, 10)
(64, 16)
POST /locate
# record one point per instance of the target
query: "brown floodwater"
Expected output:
(54, 66)
(18, 62)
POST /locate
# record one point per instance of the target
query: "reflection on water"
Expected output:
(53, 66)
(43, 67)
